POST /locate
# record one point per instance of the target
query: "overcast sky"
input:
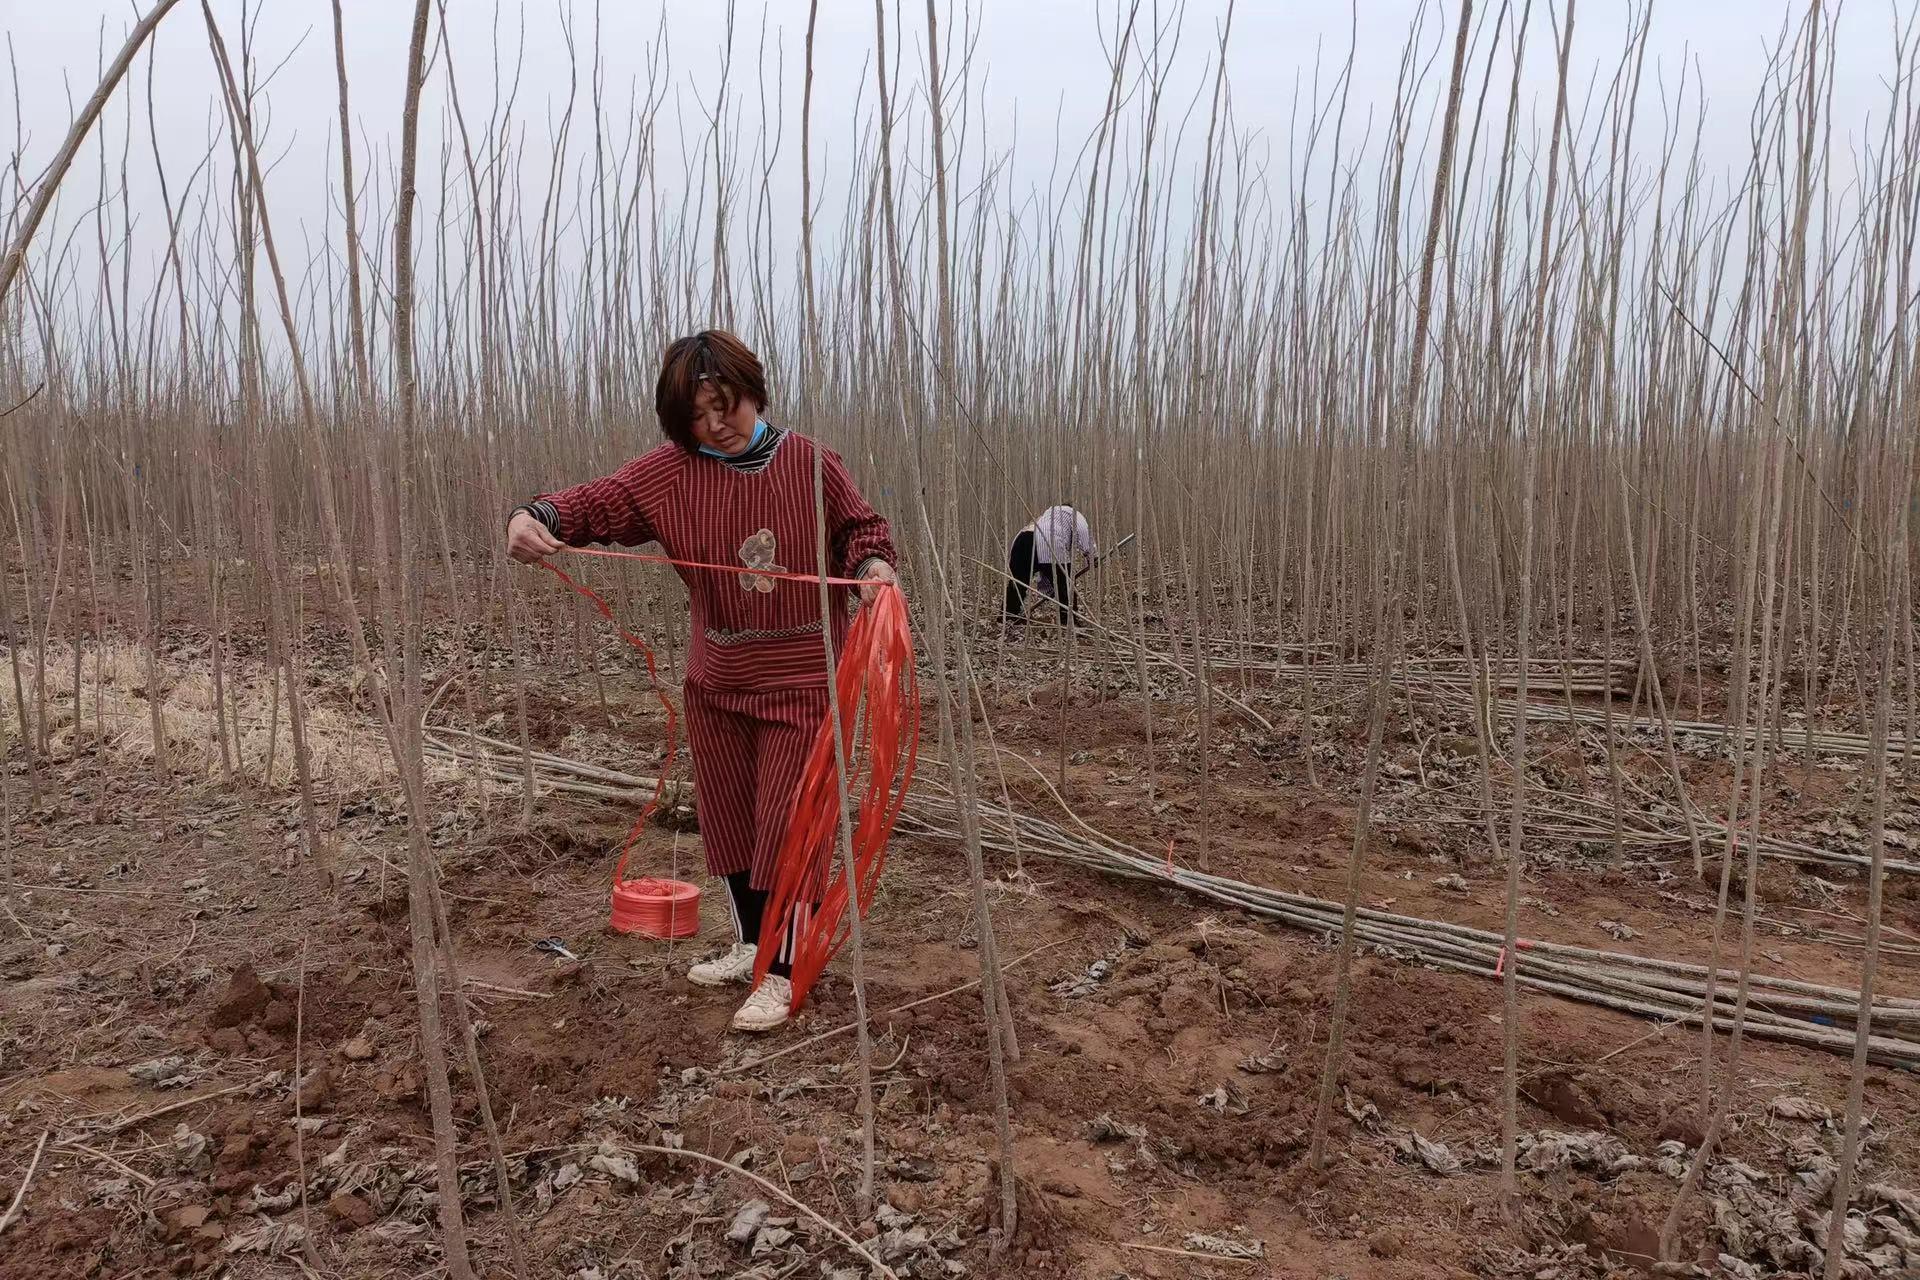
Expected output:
(1039, 68)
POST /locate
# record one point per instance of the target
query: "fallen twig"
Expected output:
(20, 1196)
(74, 888)
(508, 991)
(299, 1082)
(1185, 1253)
(121, 1126)
(193, 931)
(81, 1148)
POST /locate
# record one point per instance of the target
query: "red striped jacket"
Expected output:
(749, 631)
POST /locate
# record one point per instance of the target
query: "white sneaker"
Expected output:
(735, 966)
(766, 1008)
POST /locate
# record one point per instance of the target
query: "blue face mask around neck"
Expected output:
(759, 434)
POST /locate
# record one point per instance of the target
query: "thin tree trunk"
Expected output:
(76, 134)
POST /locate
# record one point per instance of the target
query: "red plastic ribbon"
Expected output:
(653, 675)
(878, 694)
(776, 575)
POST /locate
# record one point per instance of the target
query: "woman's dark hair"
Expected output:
(713, 357)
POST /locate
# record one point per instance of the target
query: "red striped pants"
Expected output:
(749, 750)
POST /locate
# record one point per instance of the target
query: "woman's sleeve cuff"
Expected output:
(543, 511)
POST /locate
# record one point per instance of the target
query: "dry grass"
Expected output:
(115, 710)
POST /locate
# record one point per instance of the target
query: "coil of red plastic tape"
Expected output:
(655, 908)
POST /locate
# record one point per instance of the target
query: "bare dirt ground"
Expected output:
(179, 983)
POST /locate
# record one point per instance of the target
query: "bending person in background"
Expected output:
(727, 488)
(1045, 551)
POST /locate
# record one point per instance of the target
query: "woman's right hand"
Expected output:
(528, 540)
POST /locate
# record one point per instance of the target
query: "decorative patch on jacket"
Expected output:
(758, 552)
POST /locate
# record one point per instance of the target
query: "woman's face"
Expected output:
(722, 429)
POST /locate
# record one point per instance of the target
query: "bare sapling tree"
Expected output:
(286, 652)
(1776, 404)
(1389, 614)
(400, 632)
(949, 655)
(855, 927)
(1540, 397)
(1895, 595)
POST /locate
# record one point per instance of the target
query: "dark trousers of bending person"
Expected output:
(1022, 569)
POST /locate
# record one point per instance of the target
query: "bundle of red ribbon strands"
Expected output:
(877, 692)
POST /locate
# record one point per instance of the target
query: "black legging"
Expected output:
(1022, 569)
(749, 913)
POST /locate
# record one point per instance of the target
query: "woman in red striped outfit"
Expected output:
(727, 488)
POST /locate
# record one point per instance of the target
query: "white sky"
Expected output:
(1039, 62)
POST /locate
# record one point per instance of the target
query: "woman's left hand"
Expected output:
(877, 574)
